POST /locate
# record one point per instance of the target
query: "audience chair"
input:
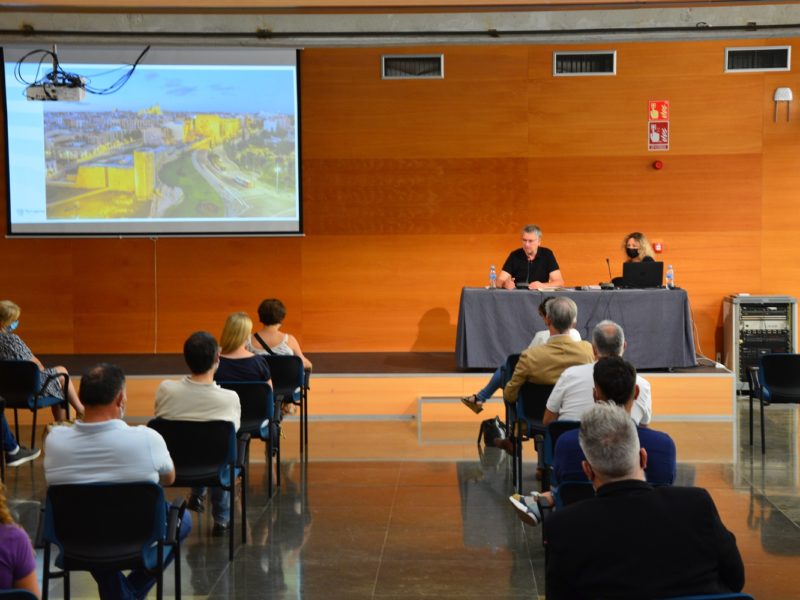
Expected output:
(508, 371)
(551, 434)
(258, 421)
(288, 377)
(570, 492)
(22, 385)
(776, 380)
(205, 453)
(112, 527)
(730, 596)
(528, 414)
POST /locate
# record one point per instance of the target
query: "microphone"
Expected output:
(607, 285)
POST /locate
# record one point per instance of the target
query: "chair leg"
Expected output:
(518, 458)
(278, 457)
(177, 562)
(268, 452)
(46, 571)
(515, 457)
(300, 423)
(305, 421)
(33, 430)
(16, 424)
(751, 417)
(244, 506)
(67, 590)
(160, 575)
(763, 435)
(232, 522)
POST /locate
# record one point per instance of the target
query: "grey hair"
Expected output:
(562, 312)
(609, 440)
(533, 229)
(608, 338)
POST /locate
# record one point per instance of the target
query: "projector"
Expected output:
(60, 93)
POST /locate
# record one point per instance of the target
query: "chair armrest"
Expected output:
(52, 376)
(753, 379)
(64, 388)
(242, 439)
(176, 510)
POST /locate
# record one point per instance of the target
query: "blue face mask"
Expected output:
(12, 326)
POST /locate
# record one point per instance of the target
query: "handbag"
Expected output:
(491, 429)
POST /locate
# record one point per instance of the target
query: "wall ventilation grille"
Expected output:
(567, 64)
(406, 66)
(764, 58)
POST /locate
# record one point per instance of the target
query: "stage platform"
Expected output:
(422, 386)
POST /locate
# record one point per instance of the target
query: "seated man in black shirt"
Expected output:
(634, 541)
(532, 264)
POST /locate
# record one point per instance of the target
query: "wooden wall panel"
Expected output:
(113, 295)
(36, 274)
(444, 196)
(582, 116)
(413, 188)
(708, 193)
(202, 281)
(478, 110)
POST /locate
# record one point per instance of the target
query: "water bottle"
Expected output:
(492, 278)
(670, 277)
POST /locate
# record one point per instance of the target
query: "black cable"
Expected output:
(58, 77)
(117, 85)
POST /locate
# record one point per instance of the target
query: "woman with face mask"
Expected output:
(637, 248)
(13, 348)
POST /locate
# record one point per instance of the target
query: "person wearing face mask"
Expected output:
(637, 248)
(197, 397)
(102, 448)
(13, 348)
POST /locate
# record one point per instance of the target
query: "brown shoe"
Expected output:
(472, 403)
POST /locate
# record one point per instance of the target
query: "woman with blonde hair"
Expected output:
(17, 558)
(236, 362)
(637, 248)
(13, 348)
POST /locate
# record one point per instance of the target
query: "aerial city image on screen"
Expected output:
(176, 143)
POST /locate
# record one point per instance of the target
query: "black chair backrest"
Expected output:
(557, 428)
(780, 377)
(571, 492)
(200, 450)
(554, 431)
(509, 366)
(534, 399)
(287, 374)
(256, 400)
(19, 381)
(100, 524)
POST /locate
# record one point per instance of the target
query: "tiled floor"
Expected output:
(389, 511)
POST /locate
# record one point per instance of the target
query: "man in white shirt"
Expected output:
(572, 394)
(102, 448)
(197, 397)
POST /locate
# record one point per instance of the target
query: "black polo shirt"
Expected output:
(526, 271)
